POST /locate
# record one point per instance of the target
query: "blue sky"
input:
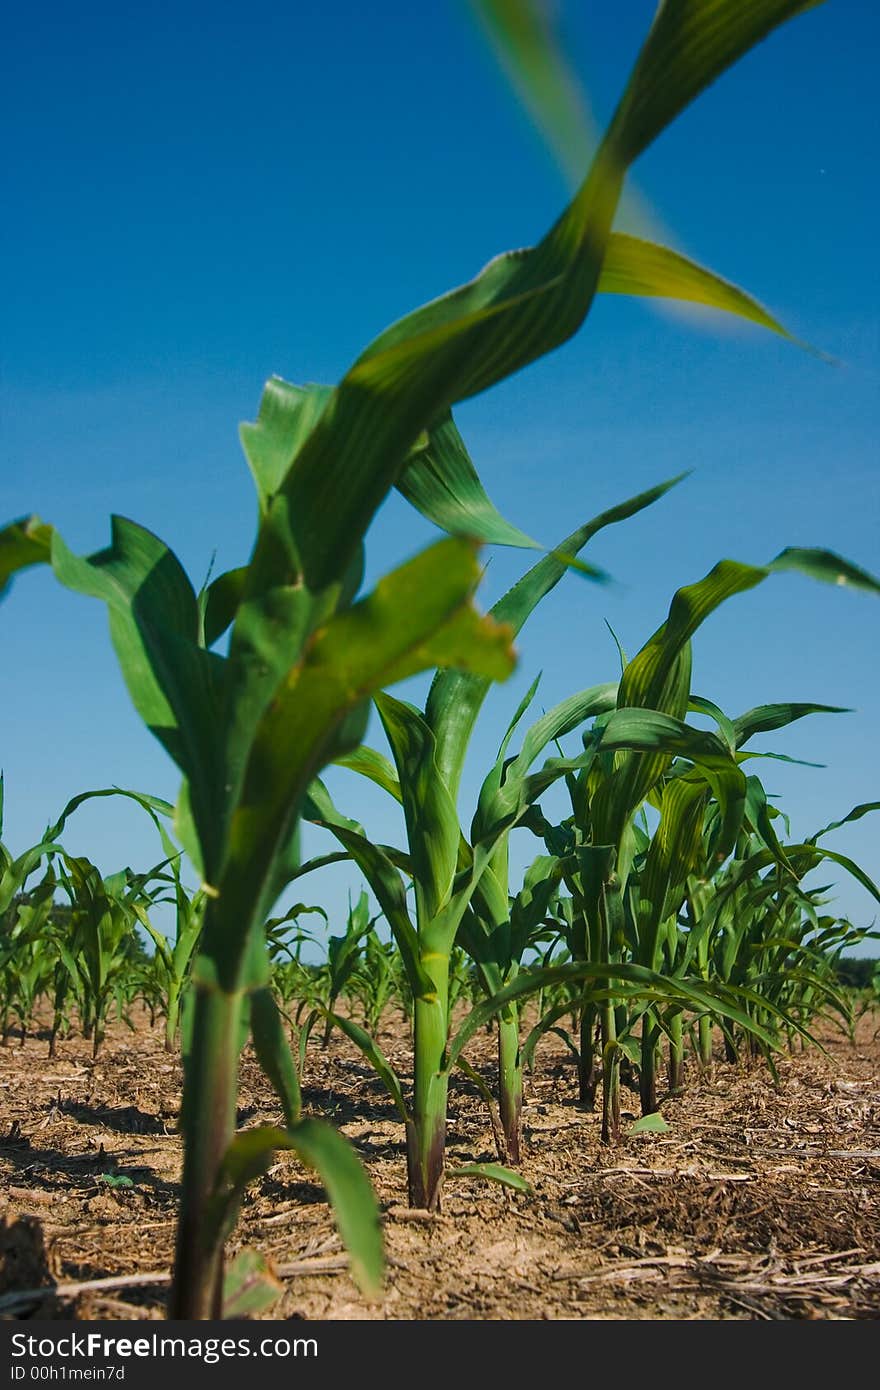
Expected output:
(202, 195)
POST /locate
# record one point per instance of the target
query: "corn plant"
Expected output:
(344, 955)
(101, 938)
(429, 749)
(499, 929)
(376, 983)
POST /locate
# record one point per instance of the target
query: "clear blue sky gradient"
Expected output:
(198, 196)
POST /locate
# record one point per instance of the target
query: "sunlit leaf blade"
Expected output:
(644, 678)
(287, 414)
(659, 676)
(377, 866)
(648, 984)
(674, 852)
(700, 705)
(764, 718)
(852, 868)
(374, 766)
(155, 806)
(633, 266)
(649, 1124)
(433, 831)
(441, 482)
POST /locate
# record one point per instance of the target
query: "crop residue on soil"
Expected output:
(760, 1202)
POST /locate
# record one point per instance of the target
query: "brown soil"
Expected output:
(762, 1201)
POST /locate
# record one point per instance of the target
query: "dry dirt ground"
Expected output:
(760, 1202)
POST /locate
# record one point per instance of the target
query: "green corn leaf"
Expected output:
(15, 872)
(758, 815)
(154, 806)
(321, 1147)
(546, 1025)
(674, 853)
(175, 685)
(646, 676)
(321, 861)
(699, 705)
(526, 45)
(647, 730)
(696, 994)
(855, 814)
(25, 542)
(455, 698)
(520, 711)
(659, 676)
(779, 758)
(492, 1172)
(568, 715)
(531, 904)
(221, 602)
(287, 415)
(766, 718)
(649, 1124)
(507, 789)
(690, 44)
(249, 1286)
(273, 1053)
(852, 868)
(374, 766)
(633, 266)
(433, 831)
(482, 1086)
(827, 567)
(440, 481)
(160, 941)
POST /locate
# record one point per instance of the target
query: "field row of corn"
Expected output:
(707, 951)
(666, 902)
